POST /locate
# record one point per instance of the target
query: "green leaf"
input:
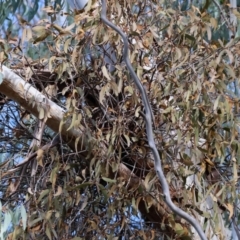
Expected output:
(109, 180)
(48, 233)
(7, 221)
(179, 229)
(24, 216)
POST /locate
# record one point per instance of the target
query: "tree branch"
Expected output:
(148, 118)
(32, 100)
(23, 93)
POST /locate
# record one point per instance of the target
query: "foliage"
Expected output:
(100, 191)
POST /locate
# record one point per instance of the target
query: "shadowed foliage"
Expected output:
(91, 175)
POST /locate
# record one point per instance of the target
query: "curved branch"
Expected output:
(148, 118)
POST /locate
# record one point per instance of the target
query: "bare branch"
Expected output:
(148, 118)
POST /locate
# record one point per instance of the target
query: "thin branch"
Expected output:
(148, 118)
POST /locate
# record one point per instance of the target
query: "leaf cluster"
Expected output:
(192, 83)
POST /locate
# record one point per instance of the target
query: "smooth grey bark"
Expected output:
(150, 137)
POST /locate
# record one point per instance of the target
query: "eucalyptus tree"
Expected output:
(84, 168)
